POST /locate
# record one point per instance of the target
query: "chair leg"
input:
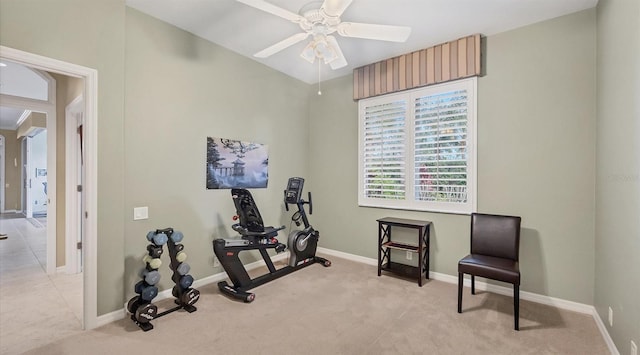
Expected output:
(516, 306)
(460, 280)
(473, 285)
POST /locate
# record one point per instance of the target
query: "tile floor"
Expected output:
(35, 308)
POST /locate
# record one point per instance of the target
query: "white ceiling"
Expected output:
(246, 30)
(18, 80)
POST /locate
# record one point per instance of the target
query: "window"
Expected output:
(418, 150)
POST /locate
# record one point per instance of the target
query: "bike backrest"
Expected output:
(247, 210)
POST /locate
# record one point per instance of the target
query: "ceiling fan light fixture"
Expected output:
(308, 53)
(321, 49)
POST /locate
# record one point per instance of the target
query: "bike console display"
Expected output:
(293, 193)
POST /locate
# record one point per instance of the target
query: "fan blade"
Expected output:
(282, 45)
(335, 8)
(339, 62)
(371, 31)
(272, 9)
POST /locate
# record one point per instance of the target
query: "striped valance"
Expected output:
(444, 62)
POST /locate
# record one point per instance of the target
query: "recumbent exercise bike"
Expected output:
(255, 236)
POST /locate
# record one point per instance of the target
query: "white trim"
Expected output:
(352, 257)
(72, 207)
(90, 77)
(23, 117)
(52, 191)
(110, 317)
(25, 103)
(524, 295)
(605, 333)
(11, 211)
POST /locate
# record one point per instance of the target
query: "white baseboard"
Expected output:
(483, 286)
(605, 333)
(352, 257)
(109, 317)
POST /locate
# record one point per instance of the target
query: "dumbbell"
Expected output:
(177, 236)
(190, 297)
(157, 238)
(154, 263)
(154, 250)
(181, 256)
(183, 268)
(151, 277)
(147, 292)
(133, 304)
(146, 313)
(179, 248)
(186, 281)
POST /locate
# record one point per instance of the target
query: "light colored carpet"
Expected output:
(35, 308)
(346, 309)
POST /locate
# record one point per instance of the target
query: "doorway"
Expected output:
(89, 76)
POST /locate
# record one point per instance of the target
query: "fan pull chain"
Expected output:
(319, 67)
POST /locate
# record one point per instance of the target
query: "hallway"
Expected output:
(35, 308)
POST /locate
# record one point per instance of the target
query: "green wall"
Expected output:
(91, 34)
(617, 267)
(536, 133)
(536, 159)
(179, 90)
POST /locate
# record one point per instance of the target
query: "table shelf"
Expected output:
(402, 246)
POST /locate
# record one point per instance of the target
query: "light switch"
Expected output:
(140, 213)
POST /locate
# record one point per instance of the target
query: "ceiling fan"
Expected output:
(319, 20)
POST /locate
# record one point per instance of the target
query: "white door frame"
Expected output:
(74, 117)
(90, 76)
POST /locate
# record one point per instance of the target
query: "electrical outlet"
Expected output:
(634, 348)
(610, 317)
(216, 262)
(409, 255)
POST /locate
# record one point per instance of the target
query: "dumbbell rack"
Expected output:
(142, 310)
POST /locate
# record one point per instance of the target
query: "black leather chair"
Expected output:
(495, 248)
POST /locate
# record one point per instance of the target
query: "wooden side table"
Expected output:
(386, 244)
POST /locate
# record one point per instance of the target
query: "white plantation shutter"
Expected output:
(440, 156)
(384, 150)
(417, 149)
